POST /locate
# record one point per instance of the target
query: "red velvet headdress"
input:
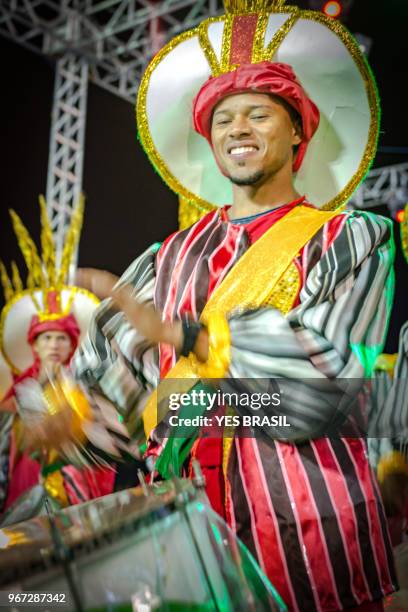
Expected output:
(264, 77)
(54, 322)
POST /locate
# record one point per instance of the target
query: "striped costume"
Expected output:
(309, 512)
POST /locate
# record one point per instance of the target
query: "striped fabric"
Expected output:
(6, 423)
(114, 359)
(309, 512)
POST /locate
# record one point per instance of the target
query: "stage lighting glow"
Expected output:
(332, 8)
(400, 215)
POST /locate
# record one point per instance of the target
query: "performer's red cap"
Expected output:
(264, 77)
(67, 324)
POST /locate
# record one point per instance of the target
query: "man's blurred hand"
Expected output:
(99, 282)
(52, 431)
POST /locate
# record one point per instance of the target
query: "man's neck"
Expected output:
(251, 200)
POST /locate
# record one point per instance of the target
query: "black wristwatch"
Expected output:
(191, 329)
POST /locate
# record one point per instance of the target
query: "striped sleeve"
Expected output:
(336, 331)
(6, 424)
(114, 359)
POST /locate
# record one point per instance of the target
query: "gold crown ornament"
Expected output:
(328, 63)
(45, 294)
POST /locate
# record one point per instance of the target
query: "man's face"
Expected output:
(253, 137)
(53, 347)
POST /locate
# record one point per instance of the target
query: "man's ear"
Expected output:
(296, 134)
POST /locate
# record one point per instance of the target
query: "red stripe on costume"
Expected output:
(188, 301)
(282, 450)
(162, 252)
(223, 258)
(346, 518)
(196, 231)
(312, 531)
(357, 451)
(332, 229)
(264, 524)
(166, 352)
(166, 357)
(75, 485)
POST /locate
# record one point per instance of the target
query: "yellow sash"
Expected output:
(248, 285)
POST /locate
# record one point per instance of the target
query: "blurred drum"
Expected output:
(156, 548)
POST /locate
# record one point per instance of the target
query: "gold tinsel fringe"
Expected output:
(29, 251)
(242, 7)
(8, 290)
(17, 282)
(191, 212)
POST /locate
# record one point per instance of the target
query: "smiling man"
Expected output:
(253, 136)
(265, 287)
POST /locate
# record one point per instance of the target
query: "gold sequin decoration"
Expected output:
(373, 99)
(143, 122)
(219, 348)
(226, 45)
(404, 233)
(285, 291)
(191, 212)
(333, 25)
(245, 7)
(280, 35)
(206, 46)
(258, 48)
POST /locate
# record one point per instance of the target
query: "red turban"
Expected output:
(263, 77)
(67, 324)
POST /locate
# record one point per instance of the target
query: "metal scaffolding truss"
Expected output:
(387, 185)
(114, 36)
(109, 41)
(67, 140)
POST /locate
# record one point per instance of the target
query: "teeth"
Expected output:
(240, 150)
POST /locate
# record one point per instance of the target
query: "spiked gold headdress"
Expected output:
(46, 295)
(329, 65)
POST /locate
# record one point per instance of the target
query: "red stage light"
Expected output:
(400, 215)
(332, 9)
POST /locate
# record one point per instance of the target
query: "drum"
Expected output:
(159, 547)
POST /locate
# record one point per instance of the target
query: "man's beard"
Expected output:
(253, 179)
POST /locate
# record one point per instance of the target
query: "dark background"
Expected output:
(128, 206)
